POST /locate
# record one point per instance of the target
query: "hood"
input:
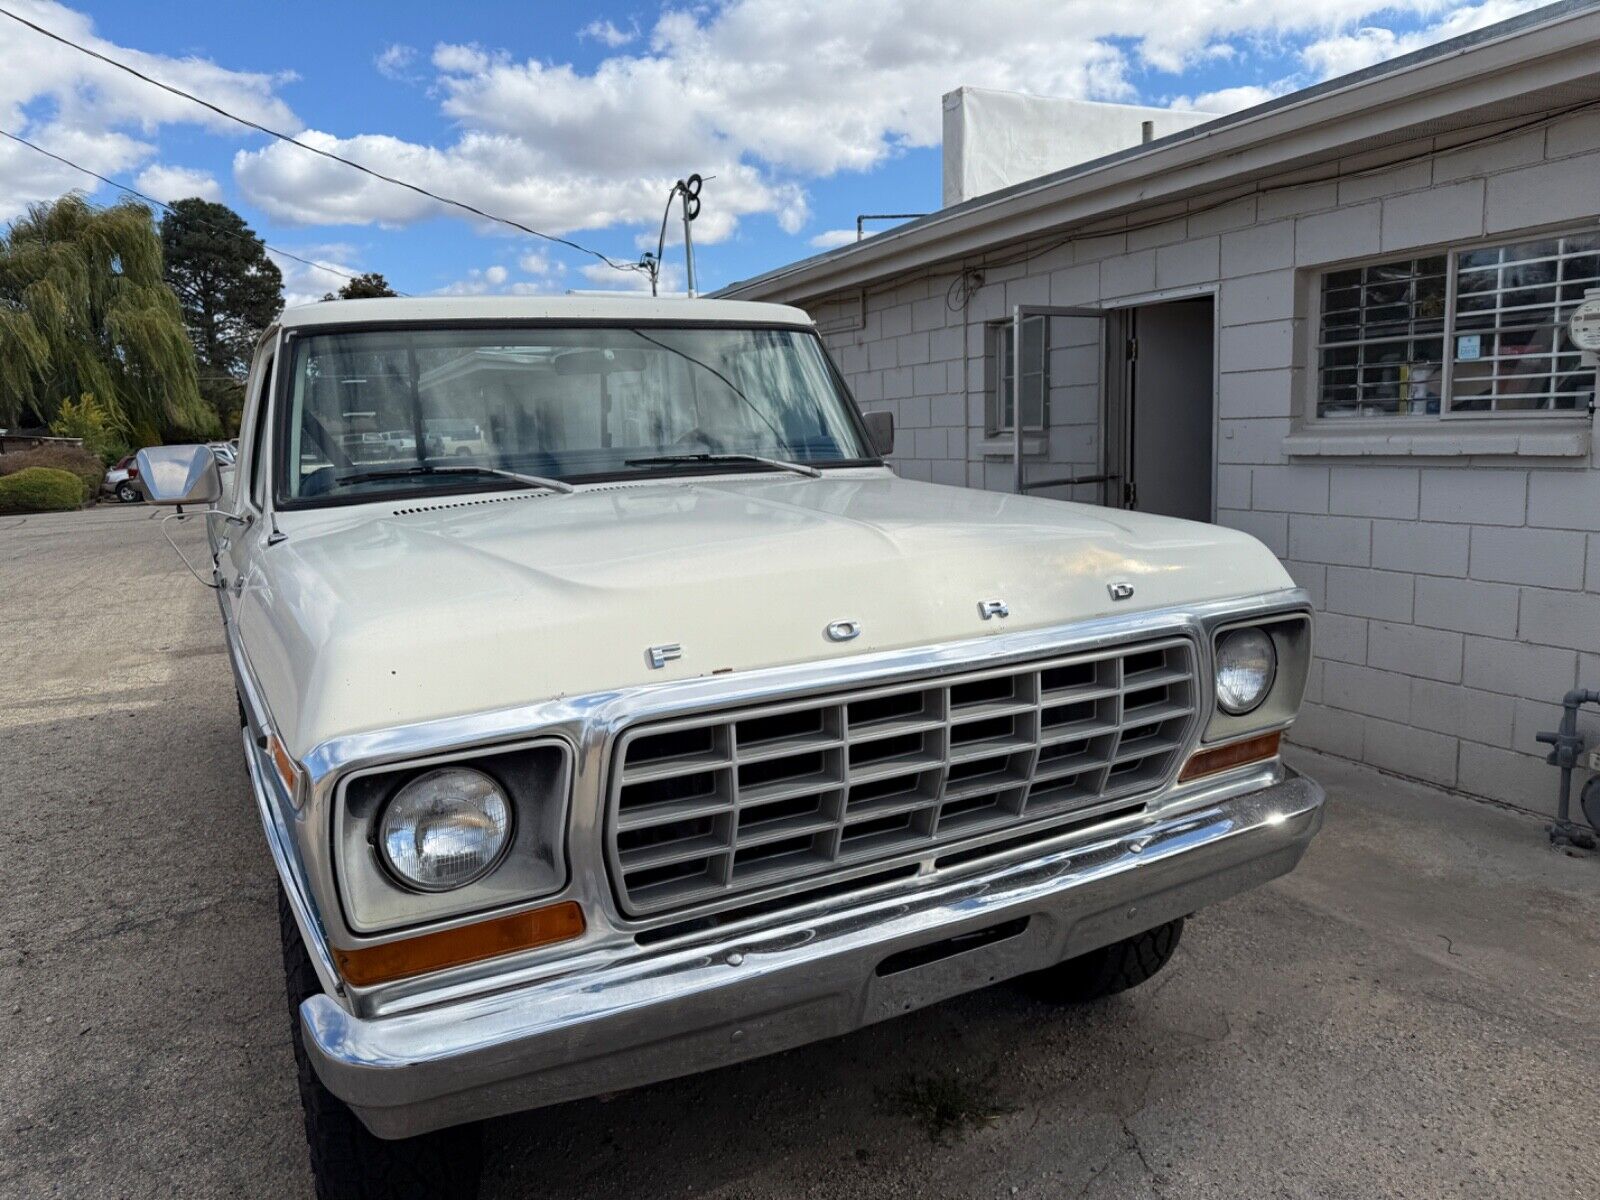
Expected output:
(405, 612)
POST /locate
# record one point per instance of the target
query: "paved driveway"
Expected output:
(1413, 1013)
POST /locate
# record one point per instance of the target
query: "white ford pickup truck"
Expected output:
(666, 727)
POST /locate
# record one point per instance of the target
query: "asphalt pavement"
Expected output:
(1412, 1013)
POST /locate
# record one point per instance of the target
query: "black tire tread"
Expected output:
(347, 1161)
(1110, 969)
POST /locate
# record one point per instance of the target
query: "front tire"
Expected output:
(347, 1161)
(1110, 969)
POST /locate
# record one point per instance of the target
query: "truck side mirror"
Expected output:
(880, 429)
(180, 475)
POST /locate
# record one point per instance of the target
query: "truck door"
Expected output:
(238, 532)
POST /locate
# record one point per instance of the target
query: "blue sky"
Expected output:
(575, 118)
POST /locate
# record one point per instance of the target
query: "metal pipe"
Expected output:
(1069, 481)
(1016, 395)
(688, 248)
(1147, 131)
(1566, 744)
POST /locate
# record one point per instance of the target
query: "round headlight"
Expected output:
(445, 829)
(1246, 664)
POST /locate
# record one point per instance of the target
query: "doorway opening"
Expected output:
(1161, 409)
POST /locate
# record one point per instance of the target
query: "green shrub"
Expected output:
(92, 423)
(40, 489)
(75, 459)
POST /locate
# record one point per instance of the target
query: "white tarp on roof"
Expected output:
(993, 139)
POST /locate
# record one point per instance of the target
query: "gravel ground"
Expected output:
(1411, 1013)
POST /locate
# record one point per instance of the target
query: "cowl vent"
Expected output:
(469, 503)
(474, 501)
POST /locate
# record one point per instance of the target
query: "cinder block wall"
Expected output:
(1458, 592)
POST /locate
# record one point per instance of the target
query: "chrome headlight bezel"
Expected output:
(1290, 634)
(536, 779)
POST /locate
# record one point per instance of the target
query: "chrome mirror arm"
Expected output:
(182, 557)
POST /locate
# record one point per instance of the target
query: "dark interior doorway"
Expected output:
(1168, 408)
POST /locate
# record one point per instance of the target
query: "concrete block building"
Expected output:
(1337, 321)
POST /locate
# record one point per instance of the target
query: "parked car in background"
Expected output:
(122, 480)
(679, 730)
(455, 438)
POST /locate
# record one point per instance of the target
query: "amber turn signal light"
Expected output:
(456, 947)
(1235, 754)
(288, 773)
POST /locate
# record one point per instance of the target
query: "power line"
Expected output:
(328, 154)
(161, 204)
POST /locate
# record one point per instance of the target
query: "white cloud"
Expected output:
(465, 60)
(98, 116)
(170, 183)
(828, 239)
(543, 278)
(473, 285)
(1227, 100)
(538, 263)
(499, 173)
(608, 34)
(334, 263)
(1341, 53)
(599, 277)
(395, 60)
(768, 95)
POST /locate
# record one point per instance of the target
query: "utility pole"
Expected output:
(689, 189)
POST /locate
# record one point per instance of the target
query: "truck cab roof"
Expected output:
(432, 309)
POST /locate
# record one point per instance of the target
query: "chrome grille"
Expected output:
(728, 803)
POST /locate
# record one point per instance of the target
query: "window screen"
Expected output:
(1382, 336)
(1509, 337)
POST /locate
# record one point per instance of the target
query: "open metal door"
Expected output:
(1081, 461)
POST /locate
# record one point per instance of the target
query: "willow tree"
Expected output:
(84, 308)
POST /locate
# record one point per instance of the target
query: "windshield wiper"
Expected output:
(658, 460)
(554, 485)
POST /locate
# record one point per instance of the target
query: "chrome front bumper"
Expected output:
(657, 1015)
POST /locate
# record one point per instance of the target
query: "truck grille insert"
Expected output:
(725, 804)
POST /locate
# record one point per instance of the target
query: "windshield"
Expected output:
(416, 409)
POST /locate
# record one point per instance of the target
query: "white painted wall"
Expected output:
(993, 139)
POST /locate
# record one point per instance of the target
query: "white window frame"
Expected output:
(1447, 410)
(997, 335)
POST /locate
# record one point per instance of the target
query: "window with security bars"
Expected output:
(1381, 339)
(1510, 346)
(1035, 384)
(1498, 312)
